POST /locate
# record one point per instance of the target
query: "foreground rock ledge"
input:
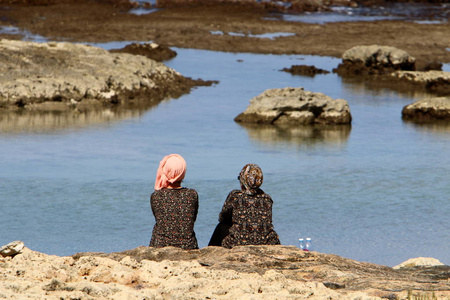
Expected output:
(295, 106)
(74, 77)
(246, 272)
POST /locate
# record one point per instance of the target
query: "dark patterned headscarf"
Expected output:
(251, 178)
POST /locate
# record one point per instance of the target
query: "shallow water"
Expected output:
(377, 192)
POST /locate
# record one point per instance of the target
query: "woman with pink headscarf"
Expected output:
(175, 208)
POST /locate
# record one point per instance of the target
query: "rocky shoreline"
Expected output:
(244, 272)
(65, 85)
(65, 77)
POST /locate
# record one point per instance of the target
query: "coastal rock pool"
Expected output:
(375, 192)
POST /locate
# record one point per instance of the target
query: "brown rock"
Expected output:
(149, 50)
(305, 70)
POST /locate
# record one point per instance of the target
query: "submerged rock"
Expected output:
(66, 77)
(295, 106)
(150, 50)
(305, 70)
(428, 109)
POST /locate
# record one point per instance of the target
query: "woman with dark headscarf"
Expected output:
(246, 216)
(175, 208)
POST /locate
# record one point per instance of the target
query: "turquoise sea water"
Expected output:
(378, 192)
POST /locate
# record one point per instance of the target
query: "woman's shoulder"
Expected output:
(165, 193)
(178, 190)
(235, 192)
(259, 193)
(189, 191)
(263, 194)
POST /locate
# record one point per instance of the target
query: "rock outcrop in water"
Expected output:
(374, 60)
(428, 109)
(67, 77)
(437, 82)
(394, 68)
(305, 70)
(295, 106)
(245, 272)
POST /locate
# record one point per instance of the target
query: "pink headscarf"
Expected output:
(172, 168)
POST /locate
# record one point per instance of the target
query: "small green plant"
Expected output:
(421, 296)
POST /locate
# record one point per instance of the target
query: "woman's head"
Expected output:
(172, 169)
(251, 178)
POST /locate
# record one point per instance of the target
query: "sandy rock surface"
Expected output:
(247, 272)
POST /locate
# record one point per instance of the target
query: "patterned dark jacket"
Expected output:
(250, 217)
(175, 212)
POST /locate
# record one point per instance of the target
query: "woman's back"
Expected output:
(251, 219)
(175, 212)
